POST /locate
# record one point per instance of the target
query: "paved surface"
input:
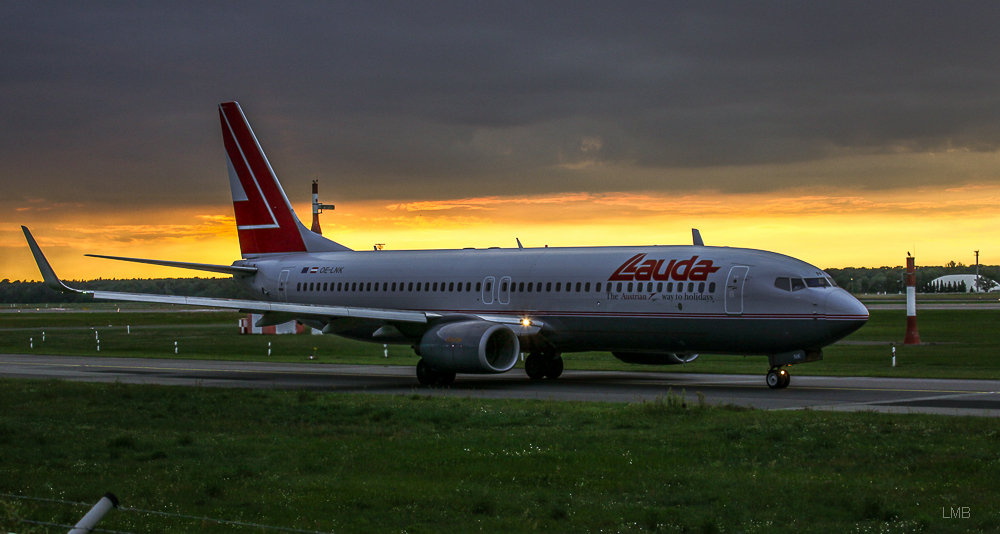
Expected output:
(952, 397)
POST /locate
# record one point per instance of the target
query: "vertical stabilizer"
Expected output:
(265, 221)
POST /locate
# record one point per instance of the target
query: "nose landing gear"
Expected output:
(778, 378)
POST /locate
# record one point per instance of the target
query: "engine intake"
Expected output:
(655, 358)
(478, 347)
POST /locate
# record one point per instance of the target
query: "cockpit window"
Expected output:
(783, 283)
(798, 284)
(817, 282)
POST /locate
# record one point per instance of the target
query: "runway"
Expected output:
(897, 395)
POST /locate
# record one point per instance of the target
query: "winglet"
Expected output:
(697, 238)
(519, 245)
(48, 274)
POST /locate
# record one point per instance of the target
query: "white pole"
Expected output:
(31, 340)
(43, 337)
(128, 329)
(386, 347)
(89, 521)
(894, 356)
(98, 345)
(175, 347)
(268, 348)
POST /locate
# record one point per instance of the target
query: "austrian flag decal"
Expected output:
(681, 271)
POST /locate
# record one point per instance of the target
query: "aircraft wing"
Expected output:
(304, 311)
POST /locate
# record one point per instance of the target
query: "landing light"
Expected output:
(526, 322)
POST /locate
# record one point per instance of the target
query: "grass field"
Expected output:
(358, 463)
(961, 344)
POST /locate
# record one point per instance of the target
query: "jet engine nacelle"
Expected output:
(478, 347)
(654, 358)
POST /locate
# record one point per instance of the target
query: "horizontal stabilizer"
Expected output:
(234, 270)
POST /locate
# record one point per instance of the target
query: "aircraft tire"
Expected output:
(785, 380)
(426, 374)
(554, 368)
(445, 378)
(774, 380)
(534, 366)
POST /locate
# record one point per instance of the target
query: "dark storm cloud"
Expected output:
(117, 101)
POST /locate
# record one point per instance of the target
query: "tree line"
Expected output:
(21, 292)
(854, 279)
(890, 279)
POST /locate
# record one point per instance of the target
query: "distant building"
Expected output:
(247, 326)
(953, 282)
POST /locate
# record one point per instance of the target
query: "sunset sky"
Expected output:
(844, 134)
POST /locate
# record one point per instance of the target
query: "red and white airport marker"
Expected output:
(912, 336)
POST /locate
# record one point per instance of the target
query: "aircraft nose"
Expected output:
(844, 313)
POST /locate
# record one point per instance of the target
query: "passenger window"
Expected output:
(298, 286)
(587, 287)
(598, 288)
(489, 286)
(578, 287)
(783, 283)
(460, 287)
(670, 287)
(368, 287)
(548, 287)
(659, 287)
(443, 286)
(798, 284)
(310, 286)
(468, 287)
(701, 287)
(376, 286)
(418, 286)
(410, 287)
(354, 286)
(690, 287)
(711, 287)
(619, 287)
(558, 287)
(520, 287)
(435, 286)
(649, 287)
(529, 286)
(630, 287)
(394, 286)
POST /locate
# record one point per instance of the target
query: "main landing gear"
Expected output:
(539, 365)
(430, 376)
(778, 378)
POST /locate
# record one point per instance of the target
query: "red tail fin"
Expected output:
(265, 221)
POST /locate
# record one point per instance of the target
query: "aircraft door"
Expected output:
(503, 290)
(488, 284)
(734, 289)
(282, 286)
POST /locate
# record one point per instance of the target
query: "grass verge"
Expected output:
(961, 344)
(358, 463)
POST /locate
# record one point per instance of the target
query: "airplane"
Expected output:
(474, 311)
